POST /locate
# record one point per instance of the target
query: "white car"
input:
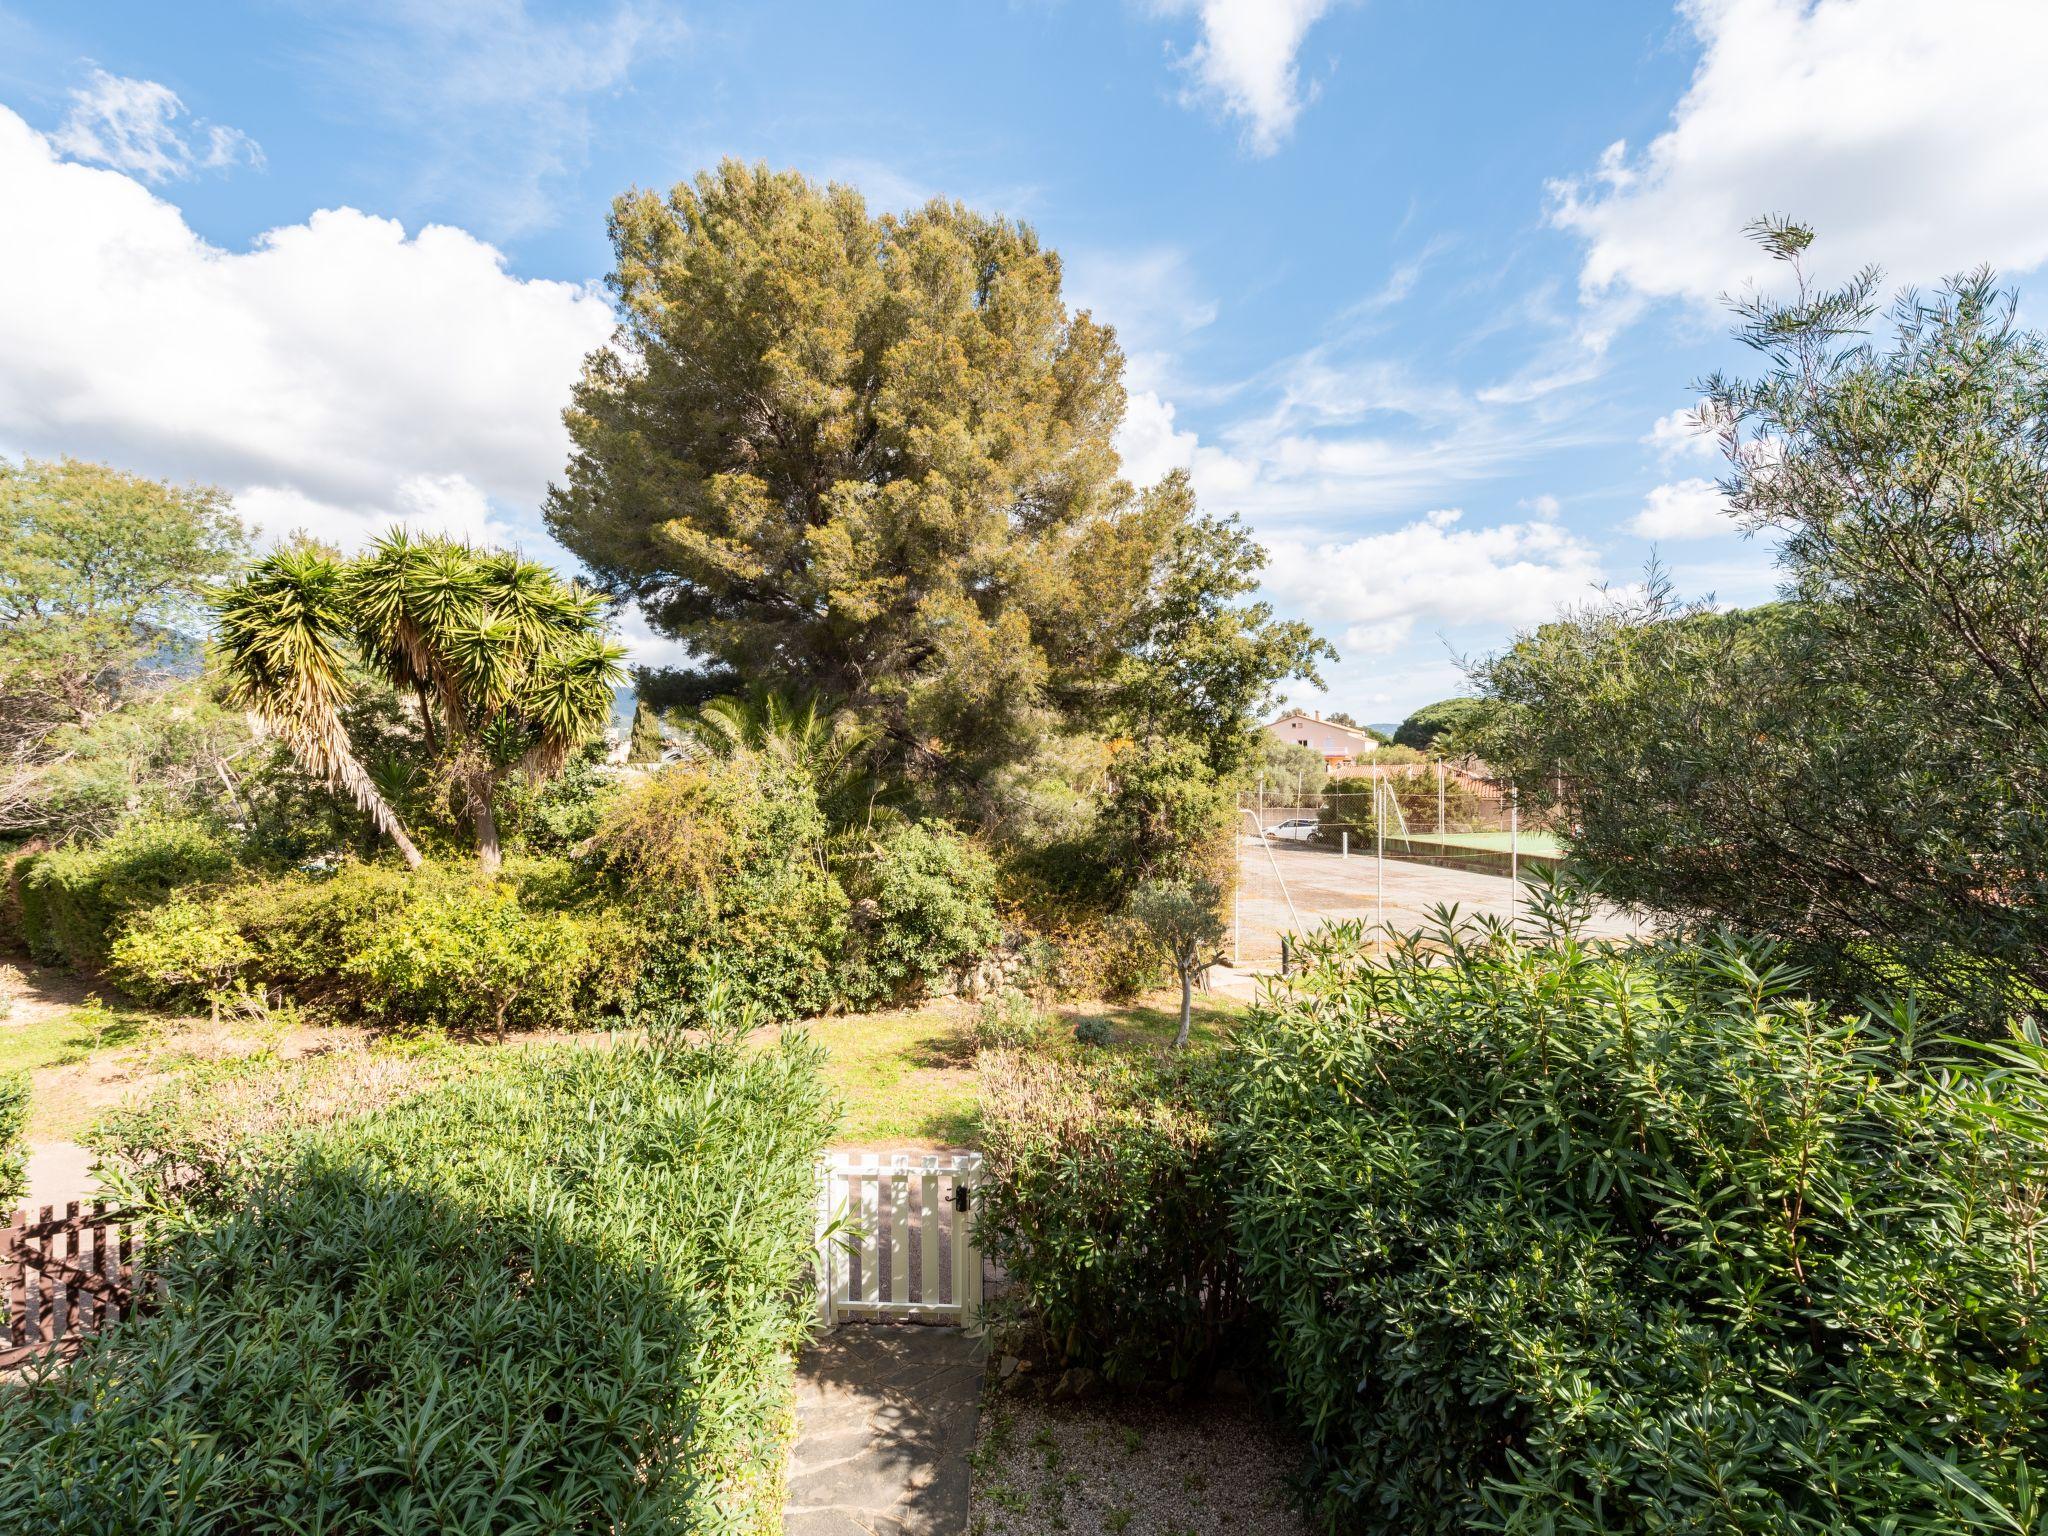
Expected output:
(1300, 830)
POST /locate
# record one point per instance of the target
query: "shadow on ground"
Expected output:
(888, 1413)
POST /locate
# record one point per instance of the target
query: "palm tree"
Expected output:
(832, 747)
(507, 664)
(282, 637)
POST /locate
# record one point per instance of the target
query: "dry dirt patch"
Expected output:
(1128, 1467)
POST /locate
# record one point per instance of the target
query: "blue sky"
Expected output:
(1416, 289)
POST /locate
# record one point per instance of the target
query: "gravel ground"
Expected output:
(1130, 1469)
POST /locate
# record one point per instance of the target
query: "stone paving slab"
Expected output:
(888, 1417)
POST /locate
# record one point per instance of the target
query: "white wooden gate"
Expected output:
(896, 1238)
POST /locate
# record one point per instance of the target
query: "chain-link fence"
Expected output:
(1428, 813)
(1387, 850)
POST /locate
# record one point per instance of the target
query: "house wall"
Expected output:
(1330, 740)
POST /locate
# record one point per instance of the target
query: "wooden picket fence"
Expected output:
(896, 1238)
(64, 1277)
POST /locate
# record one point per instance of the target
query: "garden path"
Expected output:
(888, 1414)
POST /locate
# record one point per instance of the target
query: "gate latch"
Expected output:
(962, 1196)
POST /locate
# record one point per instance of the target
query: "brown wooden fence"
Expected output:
(64, 1276)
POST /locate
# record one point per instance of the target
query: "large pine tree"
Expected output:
(865, 456)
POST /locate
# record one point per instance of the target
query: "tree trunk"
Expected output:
(1187, 1004)
(412, 856)
(488, 855)
(347, 774)
(419, 691)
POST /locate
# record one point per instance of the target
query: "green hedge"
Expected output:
(70, 900)
(439, 947)
(14, 1107)
(1565, 1240)
(559, 1296)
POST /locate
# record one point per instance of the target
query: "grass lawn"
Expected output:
(906, 1078)
(69, 1037)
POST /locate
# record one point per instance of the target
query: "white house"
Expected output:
(1339, 744)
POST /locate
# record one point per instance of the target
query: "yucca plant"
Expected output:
(507, 664)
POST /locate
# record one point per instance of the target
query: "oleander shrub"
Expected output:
(1563, 1238)
(71, 899)
(1107, 1206)
(722, 866)
(14, 1104)
(560, 1295)
(923, 903)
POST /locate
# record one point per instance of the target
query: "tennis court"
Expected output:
(1293, 888)
(1532, 841)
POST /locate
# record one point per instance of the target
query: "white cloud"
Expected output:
(496, 101)
(1684, 509)
(133, 126)
(1148, 441)
(1545, 506)
(338, 375)
(1379, 586)
(1902, 130)
(1676, 435)
(1152, 297)
(447, 504)
(1245, 63)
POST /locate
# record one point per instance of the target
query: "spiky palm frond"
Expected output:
(511, 658)
(282, 641)
(833, 747)
(405, 594)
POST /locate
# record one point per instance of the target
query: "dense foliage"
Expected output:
(443, 947)
(103, 581)
(923, 901)
(1441, 724)
(69, 901)
(723, 865)
(1107, 1206)
(14, 1106)
(1858, 768)
(559, 1295)
(1559, 1238)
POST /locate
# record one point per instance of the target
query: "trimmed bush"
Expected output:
(72, 898)
(924, 902)
(181, 952)
(470, 958)
(1562, 1239)
(1108, 1207)
(440, 947)
(562, 1295)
